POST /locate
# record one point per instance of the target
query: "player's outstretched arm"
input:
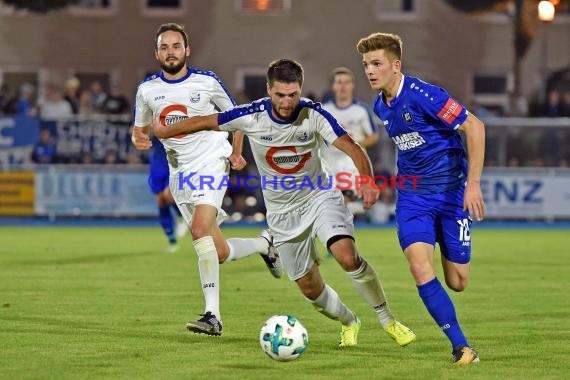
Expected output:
(191, 125)
(474, 130)
(140, 138)
(366, 191)
(236, 159)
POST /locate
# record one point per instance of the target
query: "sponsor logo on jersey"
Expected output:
(407, 141)
(266, 138)
(282, 164)
(450, 111)
(159, 97)
(302, 136)
(195, 97)
(173, 114)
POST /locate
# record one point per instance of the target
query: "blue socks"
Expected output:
(167, 223)
(441, 308)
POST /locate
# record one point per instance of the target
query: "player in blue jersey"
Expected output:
(423, 120)
(158, 181)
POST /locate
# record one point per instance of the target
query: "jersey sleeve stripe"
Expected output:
(338, 130)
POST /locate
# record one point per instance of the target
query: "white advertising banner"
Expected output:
(537, 193)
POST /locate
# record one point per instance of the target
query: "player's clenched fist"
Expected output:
(140, 139)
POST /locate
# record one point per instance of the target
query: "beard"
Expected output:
(174, 68)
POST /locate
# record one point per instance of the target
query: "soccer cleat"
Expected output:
(349, 334)
(173, 248)
(400, 333)
(208, 324)
(271, 258)
(464, 355)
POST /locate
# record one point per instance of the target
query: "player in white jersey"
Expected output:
(175, 93)
(353, 115)
(287, 135)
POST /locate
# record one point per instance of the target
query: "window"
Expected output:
(263, 7)
(163, 3)
(162, 8)
(396, 9)
(24, 82)
(94, 8)
(252, 82)
(490, 84)
(492, 90)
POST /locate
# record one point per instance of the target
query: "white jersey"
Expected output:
(287, 154)
(197, 93)
(359, 123)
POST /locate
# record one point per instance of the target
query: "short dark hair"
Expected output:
(286, 71)
(173, 27)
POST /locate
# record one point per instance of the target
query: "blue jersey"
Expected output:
(157, 157)
(422, 120)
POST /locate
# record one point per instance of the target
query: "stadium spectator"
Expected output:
(205, 155)
(44, 151)
(552, 106)
(73, 93)
(85, 104)
(116, 103)
(23, 103)
(423, 121)
(54, 106)
(98, 96)
(288, 135)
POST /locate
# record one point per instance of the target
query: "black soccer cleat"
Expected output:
(208, 324)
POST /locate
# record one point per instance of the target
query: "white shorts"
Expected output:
(324, 216)
(207, 186)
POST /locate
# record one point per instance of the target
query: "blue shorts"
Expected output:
(435, 218)
(159, 172)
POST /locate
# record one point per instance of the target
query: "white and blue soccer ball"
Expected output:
(283, 338)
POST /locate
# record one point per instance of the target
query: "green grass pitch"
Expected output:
(109, 303)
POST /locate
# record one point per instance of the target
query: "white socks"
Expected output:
(368, 285)
(209, 269)
(328, 303)
(240, 248)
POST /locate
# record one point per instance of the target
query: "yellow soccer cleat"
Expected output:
(400, 333)
(349, 334)
(464, 356)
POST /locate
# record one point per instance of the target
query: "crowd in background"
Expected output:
(76, 99)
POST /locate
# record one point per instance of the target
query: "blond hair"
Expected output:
(391, 43)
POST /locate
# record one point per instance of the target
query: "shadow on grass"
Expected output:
(89, 259)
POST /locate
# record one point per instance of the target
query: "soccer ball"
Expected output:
(283, 338)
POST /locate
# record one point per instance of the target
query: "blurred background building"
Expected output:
(68, 78)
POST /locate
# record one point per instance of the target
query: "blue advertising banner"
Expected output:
(95, 190)
(18, 135)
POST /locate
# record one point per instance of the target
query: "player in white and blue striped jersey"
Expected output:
(287, 134)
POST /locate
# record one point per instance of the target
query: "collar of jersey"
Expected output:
(190, 71)
(284, 122)
(398, 94)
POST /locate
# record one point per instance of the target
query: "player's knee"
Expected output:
(421, 271)
(458, 284)
(199, 231)
(349, 261)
